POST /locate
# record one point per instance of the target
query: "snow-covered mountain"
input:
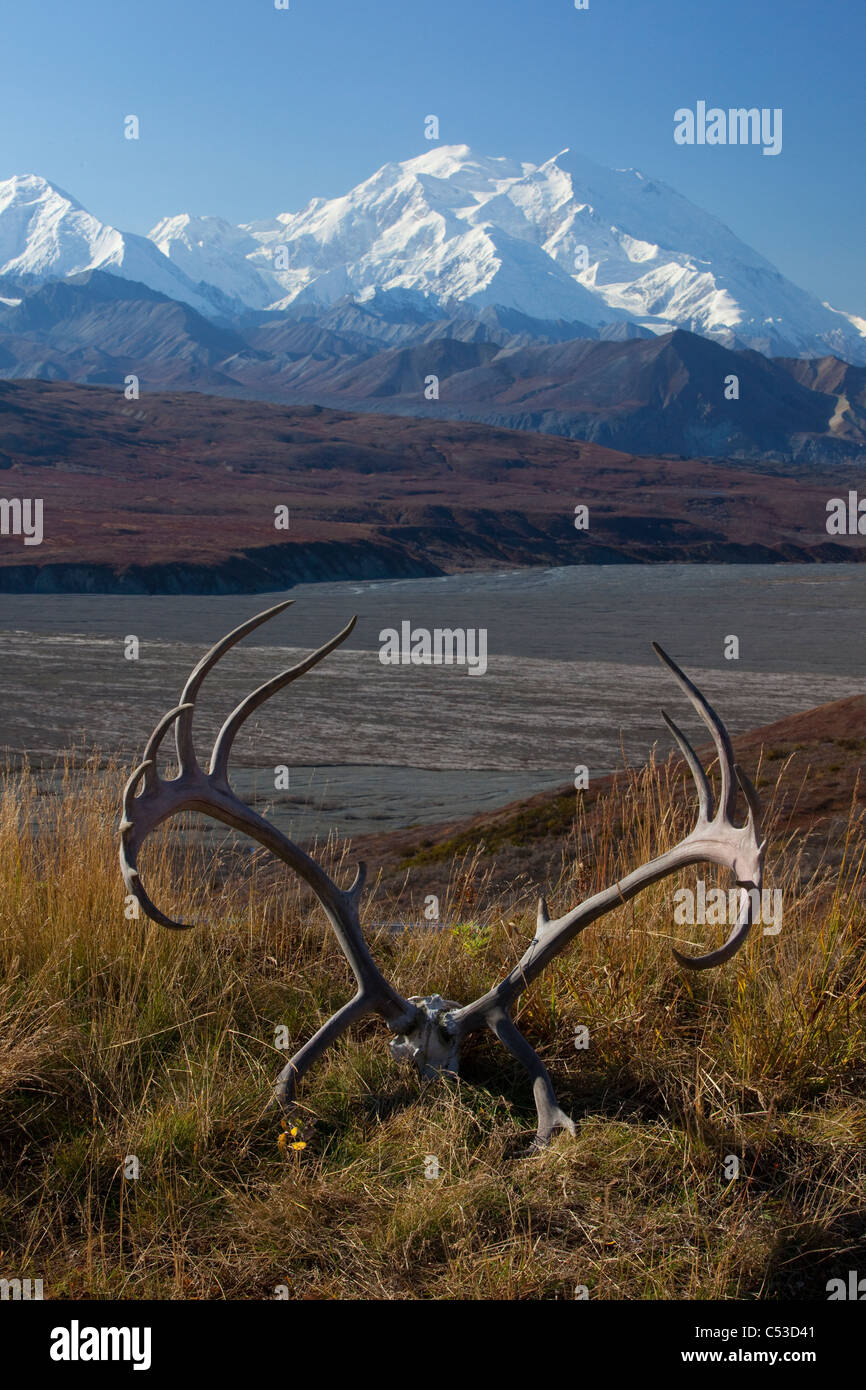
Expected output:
(47, 235)
(454, 231)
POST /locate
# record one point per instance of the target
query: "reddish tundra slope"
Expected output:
(809, 771)
(177, 493)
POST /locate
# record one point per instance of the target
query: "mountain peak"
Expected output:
(45, 234)
(564, 240)
(455, 153)
(22, 189)
(448, 161)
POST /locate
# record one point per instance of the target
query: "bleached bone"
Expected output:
(430, 1030)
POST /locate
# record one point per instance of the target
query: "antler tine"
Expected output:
(181, 716)
(146, 769)
(736, 939)
(753, 801)
(705, 795)
(183, 730)
(225, 737)
(129, 791)
(728, 791)
(132, 879)
(148, 764)
(129, 844)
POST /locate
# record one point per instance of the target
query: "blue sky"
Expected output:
(247, 111)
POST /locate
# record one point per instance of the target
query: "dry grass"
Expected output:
(118, 1038)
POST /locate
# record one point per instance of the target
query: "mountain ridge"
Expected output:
(450, 226)
(639, 392)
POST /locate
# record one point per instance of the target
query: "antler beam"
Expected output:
(430, 1030)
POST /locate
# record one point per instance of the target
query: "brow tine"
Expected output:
(183, 729)
(132, 879)
(736, 939)
(728, 792)
(225, 737)
(705, 796)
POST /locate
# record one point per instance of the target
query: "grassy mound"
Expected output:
(121, 1041)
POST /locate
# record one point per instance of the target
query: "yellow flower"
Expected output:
(290, 1134)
